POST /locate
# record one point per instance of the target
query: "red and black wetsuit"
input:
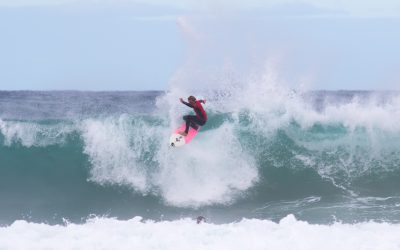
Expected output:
(193, 120)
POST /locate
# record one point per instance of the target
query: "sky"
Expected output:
(147, 45)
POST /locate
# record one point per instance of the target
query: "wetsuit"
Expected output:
(194, 120)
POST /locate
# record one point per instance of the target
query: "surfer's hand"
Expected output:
(180, 99)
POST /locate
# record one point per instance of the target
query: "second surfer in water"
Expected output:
(194, 120)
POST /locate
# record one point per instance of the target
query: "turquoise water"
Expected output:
(322, 156)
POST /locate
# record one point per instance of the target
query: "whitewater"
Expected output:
(274, 168)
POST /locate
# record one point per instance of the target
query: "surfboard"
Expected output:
(177, 140)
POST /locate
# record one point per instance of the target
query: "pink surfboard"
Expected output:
(177, 140)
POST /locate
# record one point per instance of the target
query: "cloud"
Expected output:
(23, 3)
(355, 8)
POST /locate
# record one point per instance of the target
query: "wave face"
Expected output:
(264, 153)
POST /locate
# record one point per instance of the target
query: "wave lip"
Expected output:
(115, 149)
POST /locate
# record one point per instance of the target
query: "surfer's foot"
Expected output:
(183, 133)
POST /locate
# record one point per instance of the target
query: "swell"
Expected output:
(122, 166)
(114, 146)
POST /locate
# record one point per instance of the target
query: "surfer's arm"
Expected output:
(186, 103)
(202, 101)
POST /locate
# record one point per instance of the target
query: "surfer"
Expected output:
(200, 219)
(194, 120)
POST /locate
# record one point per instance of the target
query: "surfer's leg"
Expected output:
(196, 123)
(190, 122)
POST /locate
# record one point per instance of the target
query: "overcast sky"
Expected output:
(144, 45)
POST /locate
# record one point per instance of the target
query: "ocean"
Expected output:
(273, 168)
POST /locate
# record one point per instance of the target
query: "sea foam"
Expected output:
(289, 233)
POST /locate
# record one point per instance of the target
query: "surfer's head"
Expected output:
(200, 219)
(192, 99)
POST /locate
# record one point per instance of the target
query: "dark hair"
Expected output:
(192, 98)
(200, 219)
